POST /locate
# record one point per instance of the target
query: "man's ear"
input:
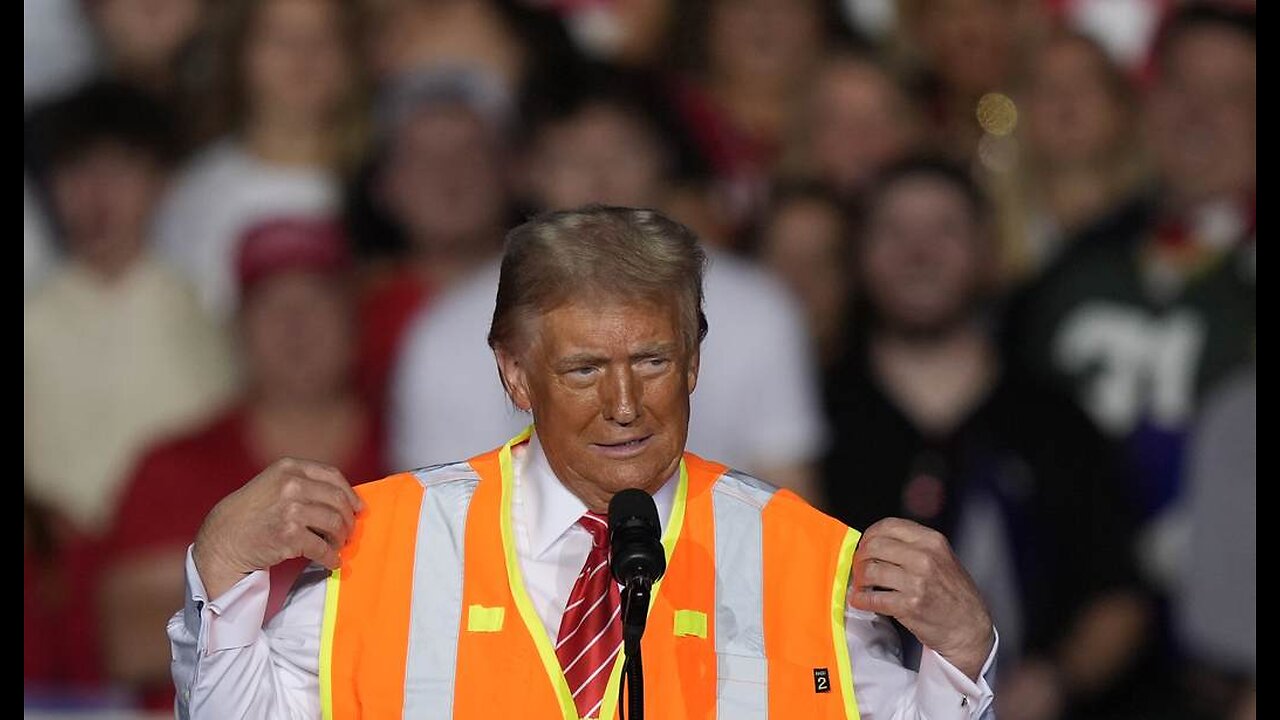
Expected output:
(514, 378)
(692, 370)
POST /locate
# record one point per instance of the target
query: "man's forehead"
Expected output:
(608, 327)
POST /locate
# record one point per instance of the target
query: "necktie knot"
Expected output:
(598, 525)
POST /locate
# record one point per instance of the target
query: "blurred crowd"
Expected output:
(988, 265)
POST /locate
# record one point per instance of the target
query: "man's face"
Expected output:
(444, 181)
(599, 155)
(104, 202)
(1202, 118)
(922, 258)
(297, 335)
(858, 124)
(608, 384)
(296, 66)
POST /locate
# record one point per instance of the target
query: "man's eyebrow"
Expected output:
(580, 359)
(655, 350)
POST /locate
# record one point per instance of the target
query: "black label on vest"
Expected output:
(821, 680)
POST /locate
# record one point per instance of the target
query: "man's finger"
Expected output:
(874, 575)
(333, 476)
(897, 528)
(326, 521)
(329, 495)
(886, 549)
(883, 602)
(316, 549)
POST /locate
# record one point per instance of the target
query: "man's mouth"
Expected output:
(623, 449)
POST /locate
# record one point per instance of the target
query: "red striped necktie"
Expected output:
(591, 628)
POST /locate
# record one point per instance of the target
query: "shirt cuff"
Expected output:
(946, 692)
(233, 619)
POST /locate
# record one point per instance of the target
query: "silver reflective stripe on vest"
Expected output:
(436, 612)
(742, 673)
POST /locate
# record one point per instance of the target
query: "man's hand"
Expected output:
(907, 571)
(294, 508)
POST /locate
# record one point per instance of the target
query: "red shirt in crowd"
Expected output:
(58, 628)
(178, 482)
(387, 306)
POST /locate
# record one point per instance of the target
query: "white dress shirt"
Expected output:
(228, 663)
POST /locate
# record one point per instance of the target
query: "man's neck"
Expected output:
(1078, 192)
(325, 428)
(290, 143)
(936, 380)
(110, 268)
(443, 264)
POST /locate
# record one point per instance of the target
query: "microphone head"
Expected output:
(635, 537)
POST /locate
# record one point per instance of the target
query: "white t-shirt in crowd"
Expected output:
(108, 368)
(38, 252)
(755, 407)
(58, 49)
(220, 194)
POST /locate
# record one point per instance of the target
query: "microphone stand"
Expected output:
(635, 611)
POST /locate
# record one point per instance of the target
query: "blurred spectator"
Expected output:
(505, 39)
(1126, 29)
(933, 428)
(626, 33)
(446, 398)
(58, 50)
(856, 121)
(290, 112)
(1218, 582)
(297, 337)
(966, 48)
(439, 190)
(115, 348)
(601, 142)
(614, 138)
(1154, 305)
(38, 252)
(748, 64)
(804, 241)
(1078, 153)
(146, 41)
(59, 655)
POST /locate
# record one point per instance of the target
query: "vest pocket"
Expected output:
(742, 686)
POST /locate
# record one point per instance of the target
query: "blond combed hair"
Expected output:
(595, 252)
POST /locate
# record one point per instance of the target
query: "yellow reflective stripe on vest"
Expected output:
(332, 586)
(839, 592)
(519, 594)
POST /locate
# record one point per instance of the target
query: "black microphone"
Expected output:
(637, 560)
(635, 538)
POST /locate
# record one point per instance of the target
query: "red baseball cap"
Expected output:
(279, 245)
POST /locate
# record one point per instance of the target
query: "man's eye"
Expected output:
(657, 363)
(582, 371)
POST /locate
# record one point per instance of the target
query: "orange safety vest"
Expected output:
(428, 616)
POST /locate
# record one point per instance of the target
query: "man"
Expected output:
(758, 361)
(116, 350)
(296, 331)
(1153, 307)
(436, 186)
(941, 433)
(596, 332)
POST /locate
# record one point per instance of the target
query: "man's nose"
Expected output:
(621, 401)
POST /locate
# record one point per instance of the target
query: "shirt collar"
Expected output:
(550, 509)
